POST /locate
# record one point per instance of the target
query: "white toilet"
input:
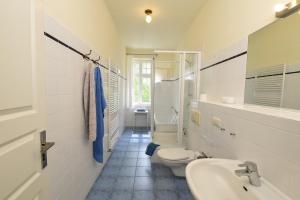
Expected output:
(177, 159)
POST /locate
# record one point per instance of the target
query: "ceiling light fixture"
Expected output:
(279, 7)
(283, 11)
(148, 13)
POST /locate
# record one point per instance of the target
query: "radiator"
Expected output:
(105, 84)
(113, 109)
(269, 84)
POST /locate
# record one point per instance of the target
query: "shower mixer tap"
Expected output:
(176, 112)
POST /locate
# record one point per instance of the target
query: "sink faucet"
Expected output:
(250, 171)
(202, 155)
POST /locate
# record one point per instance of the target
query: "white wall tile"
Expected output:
(275, 149)
(228, 78)
(71, 169)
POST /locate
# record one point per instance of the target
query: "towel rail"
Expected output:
(85, 56)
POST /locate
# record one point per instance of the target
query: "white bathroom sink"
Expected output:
(214, 179)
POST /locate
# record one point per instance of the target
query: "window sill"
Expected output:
(141, 105)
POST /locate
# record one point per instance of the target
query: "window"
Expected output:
(141, 81)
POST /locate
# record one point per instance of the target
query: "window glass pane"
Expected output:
(146, 68)
(141, 81)
(136, 87)
(146, 90)
(136, 68)
(135, 82)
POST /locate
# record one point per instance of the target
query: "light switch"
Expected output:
(217, 122)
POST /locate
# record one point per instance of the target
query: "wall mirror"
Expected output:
(273, 65)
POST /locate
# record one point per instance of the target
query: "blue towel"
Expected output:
(100, 106)
(151, 148)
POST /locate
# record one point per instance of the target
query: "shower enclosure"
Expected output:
(175, 75)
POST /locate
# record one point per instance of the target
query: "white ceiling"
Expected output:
(171, 18)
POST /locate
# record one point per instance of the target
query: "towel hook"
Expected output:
(99, 58)
(86, 56)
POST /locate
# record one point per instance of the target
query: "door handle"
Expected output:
(45, 146)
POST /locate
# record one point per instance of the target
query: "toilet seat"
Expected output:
(176, 154)
(177, 159)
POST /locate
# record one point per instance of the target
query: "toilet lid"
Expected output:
(175, 154)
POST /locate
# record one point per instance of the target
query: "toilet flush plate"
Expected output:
(196, 117)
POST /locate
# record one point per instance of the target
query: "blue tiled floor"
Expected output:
(129, 174)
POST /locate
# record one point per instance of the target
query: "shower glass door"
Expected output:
(166, 97)
(189, 79)
(174, 88)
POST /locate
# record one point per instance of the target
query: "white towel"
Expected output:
(89, 102)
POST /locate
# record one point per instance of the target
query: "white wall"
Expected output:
(219, 24)
(272, 142)
(71, 170)
(91, 22)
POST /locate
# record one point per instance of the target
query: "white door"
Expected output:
(22, 114)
